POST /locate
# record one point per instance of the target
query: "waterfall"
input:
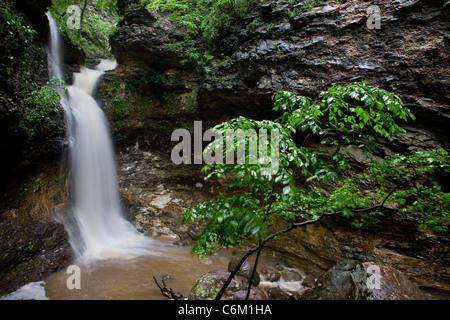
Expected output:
(95, 220)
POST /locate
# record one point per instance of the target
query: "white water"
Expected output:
(30, 291)
(95, 222)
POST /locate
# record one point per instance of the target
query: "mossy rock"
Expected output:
(209, 285)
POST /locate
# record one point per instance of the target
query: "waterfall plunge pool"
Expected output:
(131, 278)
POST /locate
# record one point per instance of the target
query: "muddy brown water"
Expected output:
(132, 279)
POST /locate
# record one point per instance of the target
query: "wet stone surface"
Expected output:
(155, 192)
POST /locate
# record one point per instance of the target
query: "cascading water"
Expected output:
(95, 221)
(96, 224)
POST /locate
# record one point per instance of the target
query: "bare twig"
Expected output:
(250, 281)
(257, 248)
(82, 16)
(168, 292)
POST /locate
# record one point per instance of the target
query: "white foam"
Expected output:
(31, 291)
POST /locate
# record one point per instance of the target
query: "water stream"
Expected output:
(95, 221)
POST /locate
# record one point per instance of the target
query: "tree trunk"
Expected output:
(82, 15)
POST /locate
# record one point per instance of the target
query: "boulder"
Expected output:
(291, 275)
(208, 285)
(276, 293)
(393, 284)
(345, 281)
(354, 280)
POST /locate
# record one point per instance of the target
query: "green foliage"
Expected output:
(18, 38)
(41, 104)
(344, 113)
(38, 104)
(310, 4)
(119, 109)
(415, 177)
(153, 78)
(106, 5)
(202, 21)
(239, 218)
(13, 23)
(211, 291)
(99, 23)
(311, 184)
(35, 183)
(218, 20)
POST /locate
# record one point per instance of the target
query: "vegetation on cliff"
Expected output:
(37, 98)
(91, 25)
(38, 102)
(204, 22)
(211, 27)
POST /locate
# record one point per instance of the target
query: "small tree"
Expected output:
(311, 184)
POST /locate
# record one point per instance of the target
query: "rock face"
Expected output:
(141, 41)
(331, 44)
(284, 46)
(33, 244)
(306, 53)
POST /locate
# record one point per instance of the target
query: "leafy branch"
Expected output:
(308, 184)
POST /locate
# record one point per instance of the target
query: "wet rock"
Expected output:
(345, 281)
(208, 285)
(291, 275)
(166, 277)
(309, 281)
(162, 189)
(33, 244)
(276, 293)
(270, 274)
(392, 285)
(245, 271)
(353, 280)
